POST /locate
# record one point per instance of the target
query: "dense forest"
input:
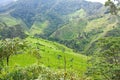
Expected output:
(59, 40)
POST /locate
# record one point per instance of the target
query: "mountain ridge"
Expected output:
(54, 11)
(68, 20)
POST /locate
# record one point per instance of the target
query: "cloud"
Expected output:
(101, 1)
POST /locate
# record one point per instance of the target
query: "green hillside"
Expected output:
(38, 27)
(75, 25)
(9, 20)
(12, 21)
(81, 25)
(61, 20)
(70, 30)
(59, 40)
(81, 34)
(50, 51)
(45, 17)
(52, 56)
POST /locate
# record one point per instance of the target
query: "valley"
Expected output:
(59, 40)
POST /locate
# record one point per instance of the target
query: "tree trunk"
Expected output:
(8, 60)
(64, 65)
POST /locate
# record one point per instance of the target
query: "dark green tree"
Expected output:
(12, 32)
(112, 7)
(106, 63)
(10, 47)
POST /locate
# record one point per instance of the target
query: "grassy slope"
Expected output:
(38, 27)
(22, 60)
(49, 52)
(70, 31)
(73, 28)
(95, 29)
(11, 21)
(78, 25)
(76, 15)
(103, 24)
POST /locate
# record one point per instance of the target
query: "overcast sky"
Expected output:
(102, 1)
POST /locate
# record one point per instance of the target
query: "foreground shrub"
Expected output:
(36, 72)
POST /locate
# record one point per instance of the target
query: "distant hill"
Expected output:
(44, 17)
(76, 23)
(82, 34)
(5, 2)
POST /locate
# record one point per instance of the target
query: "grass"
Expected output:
(79, 25)
(75, 26)
(95, 29)
(38, 27)
(50, 52)
(9, 20)
(22, 60)
(95, 24)
(70, 30)
(99, 24)
(78, 14)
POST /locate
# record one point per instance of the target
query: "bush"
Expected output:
(37, 72)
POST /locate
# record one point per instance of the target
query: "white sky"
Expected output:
(101, 1)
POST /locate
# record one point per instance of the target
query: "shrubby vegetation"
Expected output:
(11, 31)
(37, 72)
(9, 47)
(106, 63)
